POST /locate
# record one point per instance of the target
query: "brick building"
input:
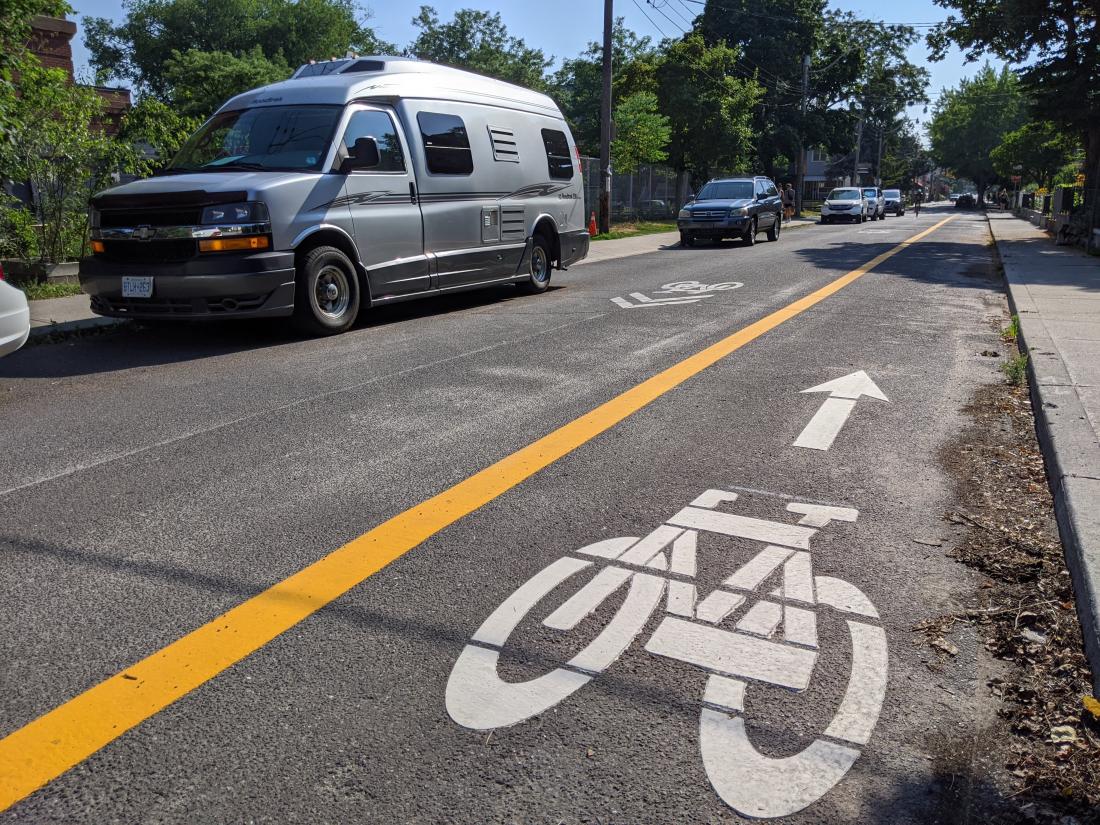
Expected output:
(51, 43)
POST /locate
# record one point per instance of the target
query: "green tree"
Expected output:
(578, 85)
(153, 132)
(201, 81)
(478, 41)
(1039, 149)
(140, 49)
(709, 107)
(641, 133)
(969, 122)
(1058, 46)
(54, 144)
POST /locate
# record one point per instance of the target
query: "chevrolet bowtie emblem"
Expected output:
(144, 233)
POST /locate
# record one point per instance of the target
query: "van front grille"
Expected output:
(112, 218)
(149, 252)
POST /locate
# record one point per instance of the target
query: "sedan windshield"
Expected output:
(844, 195)
(268, 138)
(726, 190)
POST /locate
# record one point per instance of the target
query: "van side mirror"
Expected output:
(363, 155)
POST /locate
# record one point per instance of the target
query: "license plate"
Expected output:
(137, 286)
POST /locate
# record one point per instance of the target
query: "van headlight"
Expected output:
(684, 215)
(251, 212)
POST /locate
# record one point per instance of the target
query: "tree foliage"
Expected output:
(641, 133)
(478, 41)
(969, 122)
(141, 48)
(200, 82)
(1040, 149)
(1057, 45)
(709, 107)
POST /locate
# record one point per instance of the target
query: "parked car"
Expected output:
(356, 183)
(732, 208)
(954, 196)
(15, 317)
(893, 202)
(876, 203)
(966, 201)
(844, 204)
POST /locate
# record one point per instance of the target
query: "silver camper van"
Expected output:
(355, 183)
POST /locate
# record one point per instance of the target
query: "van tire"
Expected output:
(326, 292)
(539, 266)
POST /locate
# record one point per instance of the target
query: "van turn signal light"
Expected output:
(234, 244)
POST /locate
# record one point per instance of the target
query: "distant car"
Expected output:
(966, 201)
(732, 208)
(876, 204)
(15, 317)
(654, 209)
(844, 204)
(954, 196)
(893, 203)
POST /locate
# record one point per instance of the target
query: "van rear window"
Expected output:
(446, 144)
(558, 159)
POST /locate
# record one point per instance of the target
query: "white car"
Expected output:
(15, 317)
(844, 204)
(876, 204)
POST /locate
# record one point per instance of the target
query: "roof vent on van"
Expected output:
(364, 66)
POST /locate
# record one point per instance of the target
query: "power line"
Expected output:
(795, 19)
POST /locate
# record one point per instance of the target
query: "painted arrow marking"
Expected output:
(830, 417)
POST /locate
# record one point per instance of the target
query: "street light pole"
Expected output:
(605, 122)
(859, 143)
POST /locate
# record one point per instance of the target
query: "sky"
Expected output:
(563, 28)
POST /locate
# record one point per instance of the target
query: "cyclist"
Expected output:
(918, 196)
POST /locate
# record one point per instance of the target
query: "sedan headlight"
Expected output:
(740, 212)
(684, 215)
(252, 212)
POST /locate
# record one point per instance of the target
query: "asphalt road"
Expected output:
(152, 480)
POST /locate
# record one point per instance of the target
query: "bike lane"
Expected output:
(381, 649)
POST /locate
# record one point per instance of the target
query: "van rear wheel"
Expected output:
(326, 295)
(539, 267)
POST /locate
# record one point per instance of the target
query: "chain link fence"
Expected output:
(648, 194)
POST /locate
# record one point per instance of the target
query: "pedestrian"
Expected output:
(788, 203)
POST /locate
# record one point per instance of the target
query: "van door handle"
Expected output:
(412, 191)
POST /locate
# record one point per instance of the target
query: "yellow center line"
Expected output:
(48, 746)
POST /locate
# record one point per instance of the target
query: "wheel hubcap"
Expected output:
(333, 292)
(540, 267)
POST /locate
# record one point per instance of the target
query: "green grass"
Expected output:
(1012, 331)
(39, 290)
(1015, 370)
(629, 230)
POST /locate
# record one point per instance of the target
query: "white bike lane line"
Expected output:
(54, 742)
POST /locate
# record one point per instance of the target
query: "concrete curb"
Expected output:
(1071, 455)
(44, 331)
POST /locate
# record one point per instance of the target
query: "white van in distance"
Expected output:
(355, 183)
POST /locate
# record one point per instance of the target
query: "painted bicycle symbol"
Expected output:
(748, 781)
(697, 287)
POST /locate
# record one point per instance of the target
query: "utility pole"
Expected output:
(800, 167)
(878, 162)
(859, 142)
(605, 123)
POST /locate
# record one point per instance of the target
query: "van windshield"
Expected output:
(726, 190)
(267, 138)
(892, 193)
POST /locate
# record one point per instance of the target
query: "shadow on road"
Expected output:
(145, 345)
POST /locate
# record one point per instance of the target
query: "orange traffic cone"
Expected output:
(592, 225)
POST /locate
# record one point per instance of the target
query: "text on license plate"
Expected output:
(137, 286)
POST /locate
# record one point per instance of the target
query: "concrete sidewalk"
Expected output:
(1055, 291)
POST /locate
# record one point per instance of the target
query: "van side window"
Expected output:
(446, 144)
(558, 159)
(377, 125)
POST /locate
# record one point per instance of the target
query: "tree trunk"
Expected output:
(1092, 163)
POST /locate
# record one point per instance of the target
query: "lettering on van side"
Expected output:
(361, 198)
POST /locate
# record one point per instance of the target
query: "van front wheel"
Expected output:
(326, 297)
(538, 270)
